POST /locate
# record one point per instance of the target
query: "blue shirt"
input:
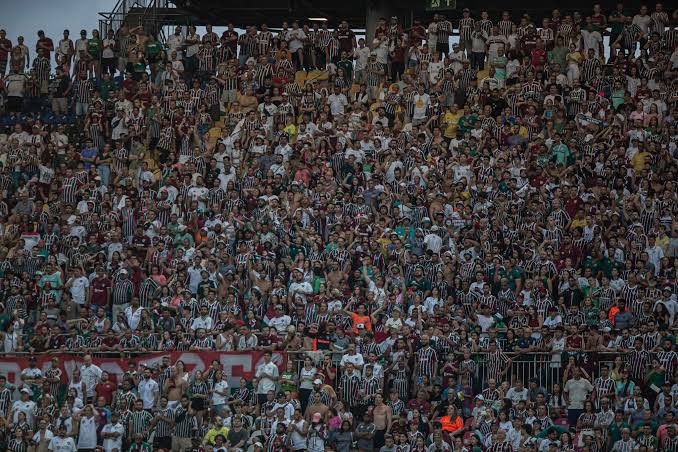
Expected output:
(89, 153)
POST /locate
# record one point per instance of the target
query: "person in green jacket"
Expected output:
(139, 445)
(94, 46)
(559, 151)
(559, 54)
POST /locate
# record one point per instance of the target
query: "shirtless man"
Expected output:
(316, 406)
(336, 277)
(382, 420)
(176, 385)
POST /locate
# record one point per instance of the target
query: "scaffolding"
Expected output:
(156, 16)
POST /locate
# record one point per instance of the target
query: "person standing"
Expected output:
(65, 50)
(86, 423)
(109, 61)
(383, 418)
(63, 442)
(5, 49)
(266, 377)
(90, 374)
(576, 392)
(316, 434)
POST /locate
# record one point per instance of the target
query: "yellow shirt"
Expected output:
(291, 130)
(213, 432)
(451, 122)
(573, 57)
(638, 161)
(578, 223)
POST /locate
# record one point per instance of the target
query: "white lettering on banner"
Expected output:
(11, 370)
(235, 365)
(154, 361)
(69, 366)
(193, 361)
(112, 368)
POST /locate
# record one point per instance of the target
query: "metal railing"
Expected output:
(547, 368)
(148, 16)
(114, 19)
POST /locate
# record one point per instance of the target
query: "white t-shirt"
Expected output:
(31, 373)
(64, 46)
(173, 44)
(337, 103)
(198, 192)
(108, 52)
(421, 104)
(90, 375)
(79, 289)
(266, 384)
(221, 386)
(435, 71)
(133, 316)
(110, 443)
(592, 40)
(301, 289)
(642, 21)
(87, 436)
(59, 444)
(147, 391)
(298, 440)
(516, 396)
(361, 55)
(295, 39)
(577, 390)
(204, 323)
(15, 85)
(193, 48)
(27, 407)
(280, 323)
(48, 436)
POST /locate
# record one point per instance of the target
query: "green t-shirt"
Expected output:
(499, 72)
(559, 55)
(144, 447)
(94, 47)
(55, 281)
(153, 47)
(561, 153)
(618, 98)
(466, 123)
(139, 67)
(106, 87)
(347, 66)
(616, 27)
(288, 386)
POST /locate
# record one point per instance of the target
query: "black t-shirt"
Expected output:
(58, 87)
(235, 437)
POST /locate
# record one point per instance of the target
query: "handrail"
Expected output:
(546, 354)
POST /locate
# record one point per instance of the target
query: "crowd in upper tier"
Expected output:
(445, 247)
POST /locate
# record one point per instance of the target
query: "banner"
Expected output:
(235, 364)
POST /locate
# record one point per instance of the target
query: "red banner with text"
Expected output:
(237, 365)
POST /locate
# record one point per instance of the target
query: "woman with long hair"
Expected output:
(199, 393)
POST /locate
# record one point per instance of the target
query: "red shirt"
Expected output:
(538, 57)
(424, 407)
(4, 45)
(572, 205)
(106, 390)
(100, 286)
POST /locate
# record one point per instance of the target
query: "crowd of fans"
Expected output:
(468, 247)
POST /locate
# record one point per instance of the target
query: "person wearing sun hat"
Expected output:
(317, 434)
